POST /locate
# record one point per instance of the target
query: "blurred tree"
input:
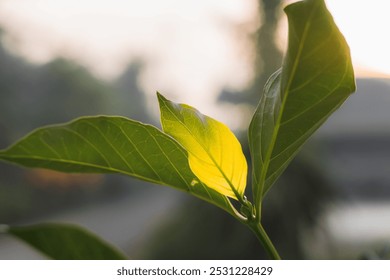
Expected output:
(129, 99)
(35, 95)
(55, 92)
(268, 56)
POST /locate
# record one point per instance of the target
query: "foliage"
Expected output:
(214, 153)
(65, 242)
(315, 79)
(199, 155)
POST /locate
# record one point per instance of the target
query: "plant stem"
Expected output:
(260, 233)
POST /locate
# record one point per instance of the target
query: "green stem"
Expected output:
(260, 233)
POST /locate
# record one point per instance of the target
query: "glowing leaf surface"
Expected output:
(214, 153)
(315, 79)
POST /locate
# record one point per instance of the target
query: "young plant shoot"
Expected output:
(195, 153)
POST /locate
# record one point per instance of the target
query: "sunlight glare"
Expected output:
(365, 26)
(190, 50)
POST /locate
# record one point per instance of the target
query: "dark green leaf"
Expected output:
(112, 145)
(66, 242)
(315, 79)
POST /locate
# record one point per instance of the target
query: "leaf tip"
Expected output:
(162, 101)
(160, 97)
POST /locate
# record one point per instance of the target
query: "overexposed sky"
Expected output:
(365, 26)
(191, 49)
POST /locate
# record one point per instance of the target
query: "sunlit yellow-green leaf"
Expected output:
(215, 155)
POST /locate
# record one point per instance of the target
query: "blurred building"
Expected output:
(355, 152)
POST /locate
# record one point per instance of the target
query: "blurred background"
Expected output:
(63, 59)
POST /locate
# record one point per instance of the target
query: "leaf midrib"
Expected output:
(267, 159)
(320, 100)
(298, 140)
(207, 152)
(85, 164)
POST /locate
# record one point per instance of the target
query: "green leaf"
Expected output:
(112, 145)
(215, 154)
(66, 242)
(315, 79)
